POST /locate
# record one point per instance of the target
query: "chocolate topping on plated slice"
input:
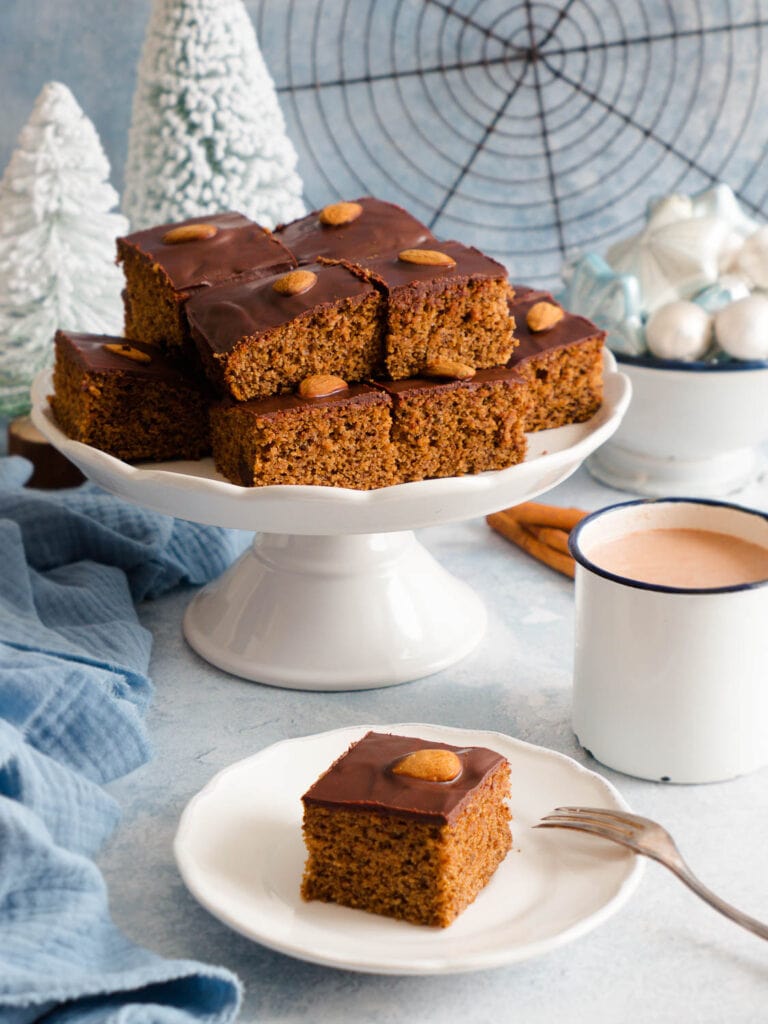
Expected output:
(335, 233)
(363, 779)
(209, 250)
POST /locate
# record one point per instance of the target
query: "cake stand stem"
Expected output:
(335, 613)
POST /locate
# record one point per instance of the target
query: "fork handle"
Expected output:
(685, 874)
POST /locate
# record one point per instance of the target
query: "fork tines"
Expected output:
(597, 820)
(604, 815)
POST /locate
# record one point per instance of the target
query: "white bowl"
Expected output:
(691, 428)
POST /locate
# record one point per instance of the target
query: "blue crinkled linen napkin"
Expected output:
(73, 691)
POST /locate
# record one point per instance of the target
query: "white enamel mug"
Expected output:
(670, 684)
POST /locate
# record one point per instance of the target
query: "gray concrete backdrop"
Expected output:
(530, 128)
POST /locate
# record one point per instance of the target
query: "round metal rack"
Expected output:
(532, 129)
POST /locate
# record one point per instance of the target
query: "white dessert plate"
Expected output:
(240, 852)
(194, 490)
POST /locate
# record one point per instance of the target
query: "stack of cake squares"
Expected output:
(349, 348)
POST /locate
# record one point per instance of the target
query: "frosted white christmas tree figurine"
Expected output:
(57, 242)
(207, 132)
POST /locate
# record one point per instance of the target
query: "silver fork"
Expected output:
(649, 838)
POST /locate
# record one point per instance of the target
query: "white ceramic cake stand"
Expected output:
(336, 592)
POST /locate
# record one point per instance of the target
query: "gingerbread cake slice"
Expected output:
(350, 229)
(166, 264)
(405, 827)
(444, 426)
(261, 338)
(560, 355)
(327, 433)
(448, 302)
(128, 398)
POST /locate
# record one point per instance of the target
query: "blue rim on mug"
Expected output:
(581, 558)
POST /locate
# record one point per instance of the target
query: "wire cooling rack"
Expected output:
(532, 129)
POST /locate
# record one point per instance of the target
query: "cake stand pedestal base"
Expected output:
(335, 613)
(659, 476)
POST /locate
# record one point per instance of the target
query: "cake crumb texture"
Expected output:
(566, 385)
(336, 444)
(467, 429)
(468, 322)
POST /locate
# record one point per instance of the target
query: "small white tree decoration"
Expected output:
(57, 241)
(207, 132)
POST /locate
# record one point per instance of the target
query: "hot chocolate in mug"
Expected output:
(671, 650)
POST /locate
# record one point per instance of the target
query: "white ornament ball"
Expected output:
(679, 330)
(742, 328)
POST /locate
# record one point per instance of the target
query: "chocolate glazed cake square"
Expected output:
(407, 828)
(347, 230)
(448, 302)
(128, 399)
(261, 338)
(337, 440)
(444, 427)
(166, 264)
(562, 365)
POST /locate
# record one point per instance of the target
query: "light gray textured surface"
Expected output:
(665, 959)
(530, 129)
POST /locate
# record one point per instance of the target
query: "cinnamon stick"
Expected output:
(537, 514)
(557, 539)
(511, 528)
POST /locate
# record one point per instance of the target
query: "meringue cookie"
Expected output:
(721, 202)
(742, 328)
(679, 330)
(671, 259)
(752, 259)
(669, 209)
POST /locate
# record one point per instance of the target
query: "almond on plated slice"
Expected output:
(432, 765)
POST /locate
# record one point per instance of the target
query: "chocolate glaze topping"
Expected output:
(221, 317)
(239, 248)
(88, 350)
(392, 272)
(407, 388)
(361, 780)
(571, 330)
(381, 227)
(278, 405)
(525, 294)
